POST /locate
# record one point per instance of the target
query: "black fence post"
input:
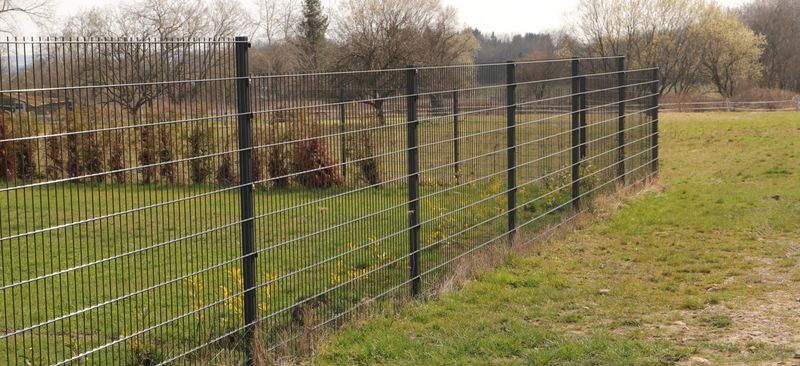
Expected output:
(456, 157)
(575, 135)
(511, 144)
(655, 90)
(412, 140)
(246, 191)
(584, 95)
(621, 119)
(342, 136)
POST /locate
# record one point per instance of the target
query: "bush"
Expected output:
(116, 159)
(258, 156)
(6, 150)
(361, 147)
(225, 173)
(24, 157)
(92, 158)
(311, 157)
(782, 98)
(74, 165)
(278, 157)
(147, 154)
(53, 146)
(200, 144)
(165, 155)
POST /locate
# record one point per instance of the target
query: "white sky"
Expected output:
(500, 16)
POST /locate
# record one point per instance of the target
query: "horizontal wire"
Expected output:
(255, 253)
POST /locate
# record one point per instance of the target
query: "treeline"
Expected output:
(695, 43)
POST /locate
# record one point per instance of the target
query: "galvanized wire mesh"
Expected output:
(160, 204)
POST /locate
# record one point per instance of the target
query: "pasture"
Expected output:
(701, 267)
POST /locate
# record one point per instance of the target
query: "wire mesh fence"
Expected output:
(161, 204)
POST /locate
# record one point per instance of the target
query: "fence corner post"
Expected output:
(511, 145)
(575, 135)
(656, 91)
(621, 95)
(245, 138)
(412, 144)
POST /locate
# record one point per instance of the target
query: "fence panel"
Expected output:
(161, 204)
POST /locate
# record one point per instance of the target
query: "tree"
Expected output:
(779, 22)
(731, 51)
(14, 11)
(384, 34)
(312, 34)
(277, 20)
(692, 42)
(649, 32)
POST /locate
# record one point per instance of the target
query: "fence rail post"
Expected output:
(342, 136)
(621, 92)
(511, 144)
(575, 135)
(246, 191)
(655, 90)
(456, 152)
(412, 141)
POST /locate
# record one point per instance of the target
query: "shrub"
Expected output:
(6, 150)
(278, 157)
(165, 156)
(116, 159)
(25, 160)
(311, 157)
(147, 154)
(225, 173)
(74, 166)
(200, 144)
(53, 146)
(92, 158)
(258, 156)
(361, 148)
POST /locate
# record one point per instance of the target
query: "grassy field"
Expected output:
(151, 271)
(703, 269)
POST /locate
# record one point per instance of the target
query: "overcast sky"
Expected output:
(501, 16)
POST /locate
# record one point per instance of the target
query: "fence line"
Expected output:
(162, 204)
(783, 105)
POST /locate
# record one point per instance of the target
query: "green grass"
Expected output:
(159, 252)
(681, 265)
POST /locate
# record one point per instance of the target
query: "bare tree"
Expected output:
(277, 20)
(384, 34)
(12, 12)
(649, 32)
(779, 22)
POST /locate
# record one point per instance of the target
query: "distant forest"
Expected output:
(513, 47)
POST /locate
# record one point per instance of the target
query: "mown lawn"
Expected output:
(704, 267)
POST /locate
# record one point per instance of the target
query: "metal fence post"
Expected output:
(342, 138)
(246, 190)
(511, 144)
(456, 158)
(582, 87)
(575, 135)
(655, 90)
(412, 141)
(621, 118)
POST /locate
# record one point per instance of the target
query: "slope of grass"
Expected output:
(705, 267)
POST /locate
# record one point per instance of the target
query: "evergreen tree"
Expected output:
(312, 33)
